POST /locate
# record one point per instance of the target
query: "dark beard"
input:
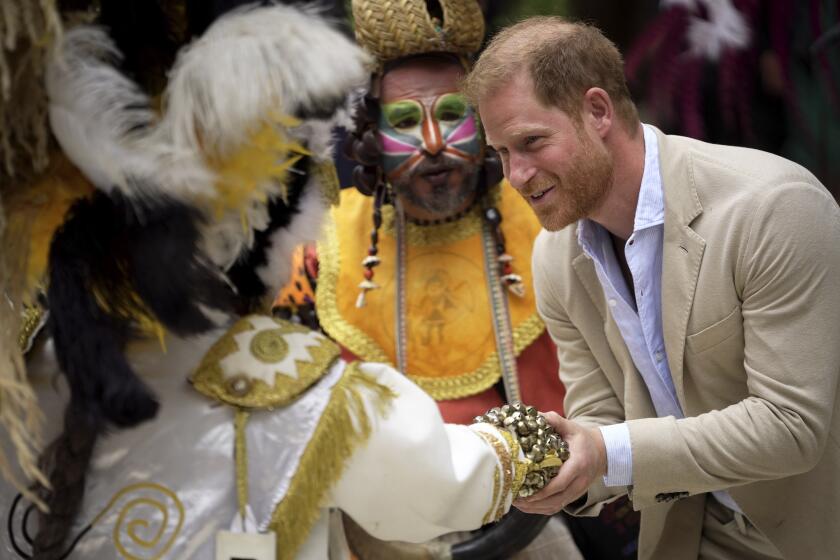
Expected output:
(443, 200)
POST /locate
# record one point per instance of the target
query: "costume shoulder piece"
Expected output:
(289, 371)
(163, 189)
(264, 362)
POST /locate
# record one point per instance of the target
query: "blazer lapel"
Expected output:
(585, 270)
(682, 254)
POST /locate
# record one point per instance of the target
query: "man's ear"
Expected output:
(598, 110)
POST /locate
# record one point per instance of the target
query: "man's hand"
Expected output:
(587, 461)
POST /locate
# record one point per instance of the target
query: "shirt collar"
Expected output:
(650, 208)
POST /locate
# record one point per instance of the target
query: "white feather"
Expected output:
(95, 110)
(317, 136)
(306, 226)
(226, 238)
(104, 122)
(251, 63)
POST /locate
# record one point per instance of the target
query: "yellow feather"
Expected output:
(37, 210)
(258, 169)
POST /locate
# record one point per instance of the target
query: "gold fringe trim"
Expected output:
(508, 469)
(513, 468)
(363, 346)
(343, 427)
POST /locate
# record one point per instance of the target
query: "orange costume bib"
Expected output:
(450, 343)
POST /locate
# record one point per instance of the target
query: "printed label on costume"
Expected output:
(246, 546)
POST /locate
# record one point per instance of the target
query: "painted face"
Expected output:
(429, 138)
(416, 128)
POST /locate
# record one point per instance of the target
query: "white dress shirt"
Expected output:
(639, 321)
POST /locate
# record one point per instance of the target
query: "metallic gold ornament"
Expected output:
(544, 449)
(269, 346)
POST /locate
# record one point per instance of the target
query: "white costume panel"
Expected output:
(164, 488)
(417, 477)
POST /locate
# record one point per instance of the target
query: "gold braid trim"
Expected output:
(363, 346)
(209, 377)
(444, 388)
(240, 452)
(521, 467)
(343, 427)
(329, 264)
(514, 469)
(502, 453)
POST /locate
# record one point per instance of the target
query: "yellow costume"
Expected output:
(451, 351)
(450, 345)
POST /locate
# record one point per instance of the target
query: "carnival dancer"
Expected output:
(228, 437)
(425, 265)
(441, 288)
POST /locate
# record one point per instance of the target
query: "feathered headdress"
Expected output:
(156, 211)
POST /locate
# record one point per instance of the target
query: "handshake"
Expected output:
(544, 450)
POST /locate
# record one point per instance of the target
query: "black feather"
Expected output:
(111, 262)
(166, 272)
(89, 342)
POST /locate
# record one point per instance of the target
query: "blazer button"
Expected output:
(669, 496)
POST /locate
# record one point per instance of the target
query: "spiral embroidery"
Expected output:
(149, 518)
(269, 346)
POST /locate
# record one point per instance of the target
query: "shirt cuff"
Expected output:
(619, 455)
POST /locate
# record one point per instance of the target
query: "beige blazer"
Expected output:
(751, 320)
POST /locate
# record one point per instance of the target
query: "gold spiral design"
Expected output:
(145, 532)
(269, 346)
